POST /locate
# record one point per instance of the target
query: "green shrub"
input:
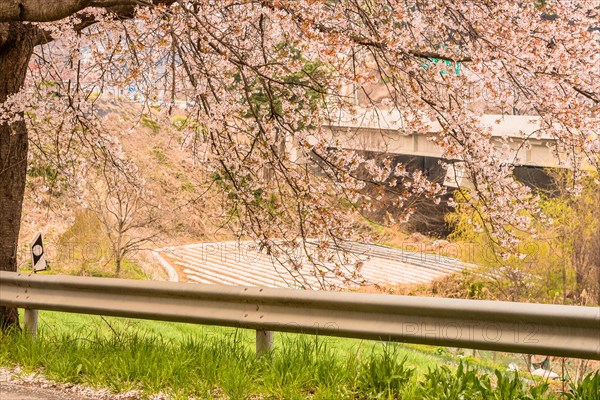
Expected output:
(587, 389)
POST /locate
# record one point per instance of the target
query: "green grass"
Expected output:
(190, 360)
(150, 123)
(56, 324)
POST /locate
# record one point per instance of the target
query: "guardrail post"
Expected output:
(31, 321)
(264, 342)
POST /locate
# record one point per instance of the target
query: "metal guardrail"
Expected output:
(558, 330)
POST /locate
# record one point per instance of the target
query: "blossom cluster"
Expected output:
(263, 80)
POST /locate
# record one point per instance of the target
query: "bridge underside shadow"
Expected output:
(429, 218)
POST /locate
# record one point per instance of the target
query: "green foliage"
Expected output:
(84, 247)
(48, 84)
(265, 99)
(188, 360)
(261, 199)
(187, 186)
(131, 270)
(467, 382)
(199, 130)
(159, 155)
(556, 264)
(43, 172)
(510, 386)
(150, 123)
(383, 375)
(180, 122)
(587, 389)
(444, 383)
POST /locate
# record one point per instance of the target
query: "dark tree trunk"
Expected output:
(16, 47)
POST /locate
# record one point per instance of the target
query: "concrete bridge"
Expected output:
(383, 131)
(379, 131)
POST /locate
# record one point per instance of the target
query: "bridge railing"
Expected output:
(569, 331)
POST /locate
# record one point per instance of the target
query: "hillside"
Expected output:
(175, 186)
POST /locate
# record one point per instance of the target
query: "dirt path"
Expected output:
(16, 385)
(9, 391)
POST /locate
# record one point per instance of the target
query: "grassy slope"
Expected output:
(207, 362)
(53, 324)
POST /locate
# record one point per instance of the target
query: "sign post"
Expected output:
(38, 261)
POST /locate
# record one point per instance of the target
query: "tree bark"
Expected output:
(49, 11)
(16, 48)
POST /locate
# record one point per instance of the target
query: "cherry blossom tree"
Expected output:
(264, 80)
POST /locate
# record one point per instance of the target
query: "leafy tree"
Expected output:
(251, 73)
(576, 237)
(560, 262)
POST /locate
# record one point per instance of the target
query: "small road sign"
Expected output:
(38, 261)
